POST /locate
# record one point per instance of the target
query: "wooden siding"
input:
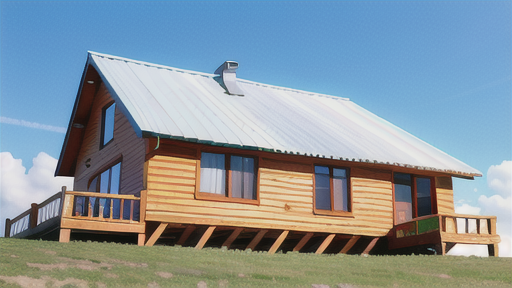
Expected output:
(125, 145)
(286, 199)
(444, 194)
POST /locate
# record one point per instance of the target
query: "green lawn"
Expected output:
(92, 264)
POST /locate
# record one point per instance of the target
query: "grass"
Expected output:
(93, 264)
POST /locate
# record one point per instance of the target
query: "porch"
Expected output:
(444, 231)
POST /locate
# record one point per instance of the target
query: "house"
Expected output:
(190, 158)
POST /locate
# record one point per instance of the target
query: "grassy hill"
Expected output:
(92, 264)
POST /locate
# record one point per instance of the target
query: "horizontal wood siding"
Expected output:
(125, 145)
(286, 199)
(444, 194)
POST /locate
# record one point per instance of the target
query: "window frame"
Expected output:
(333, 212)
(414, 196)
(103, 123)
(227, 196)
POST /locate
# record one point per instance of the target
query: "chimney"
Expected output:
(227, 79)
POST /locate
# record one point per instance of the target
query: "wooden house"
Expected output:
(195, 159)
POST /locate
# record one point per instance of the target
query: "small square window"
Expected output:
(228, 176)
(332, 194)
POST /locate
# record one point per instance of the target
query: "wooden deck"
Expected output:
(446, 230)
(72, 211)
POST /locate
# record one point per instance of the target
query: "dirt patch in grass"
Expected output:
(27, 282)
(71, 263)
(166, 275)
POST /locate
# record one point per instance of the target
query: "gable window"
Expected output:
(227, 176)
(332, 195)
(413, 197)
(107, 124)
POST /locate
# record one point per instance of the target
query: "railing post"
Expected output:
(62, 197)
(7, 228)
(33, 215)
(142, 206)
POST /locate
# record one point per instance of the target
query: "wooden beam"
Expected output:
(370, 246)
(350, 244)
(325, 244)
(64, 235)
(7, 228)
(278, 242)
(232, 237)
(493, 250)
(141, 239)
(186, 234)
(205, 237)
(158, 232)
(256, 240)
(303, 241)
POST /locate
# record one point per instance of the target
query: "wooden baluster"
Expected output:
(121, 210)
(467, 225)
(89, 207)
(131, 210)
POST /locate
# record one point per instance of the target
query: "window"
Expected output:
(332, 195)
(107, 124)
(227, 176)
(108, 182)
(413, 197)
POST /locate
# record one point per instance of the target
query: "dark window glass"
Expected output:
(242, 177)
(108, 124)
(107, 182)
(423, 195)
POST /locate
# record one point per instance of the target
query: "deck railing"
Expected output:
(448, 223)
(98, 207)
(36, 215)
(121, 208)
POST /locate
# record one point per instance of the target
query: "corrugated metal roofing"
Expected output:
(175, 103)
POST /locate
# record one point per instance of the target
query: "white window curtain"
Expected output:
(242, 174)
(213, 173)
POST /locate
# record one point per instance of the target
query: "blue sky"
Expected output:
(440, 70)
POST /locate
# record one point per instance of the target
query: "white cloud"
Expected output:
(7, 120)
(19, 189)
(499, 178)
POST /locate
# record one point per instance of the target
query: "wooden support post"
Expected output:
(232, 237)
(303, 241)
(186, 234)
(7, 233)
(350, 244)
(278, 242)
(33, 215)
(492, 226)
(205, 237)
(142, 205)
(325, 244)
(467, 225)
(158, 232)
(256, 239)
(141, 239)
(493, 250)
(65, 235)
(370, 246)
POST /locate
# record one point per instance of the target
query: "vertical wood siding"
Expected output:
(286, 199)
(444, 193)
(125, 144)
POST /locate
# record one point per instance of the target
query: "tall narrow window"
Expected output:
(331, 190)
(229, 176)
(107, 127)
(413, 197)
(106, 182)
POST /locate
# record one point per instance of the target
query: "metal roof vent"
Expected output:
(227, 79)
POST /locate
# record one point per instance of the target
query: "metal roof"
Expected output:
(192, 106)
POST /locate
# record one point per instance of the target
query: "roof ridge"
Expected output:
(214, 75)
